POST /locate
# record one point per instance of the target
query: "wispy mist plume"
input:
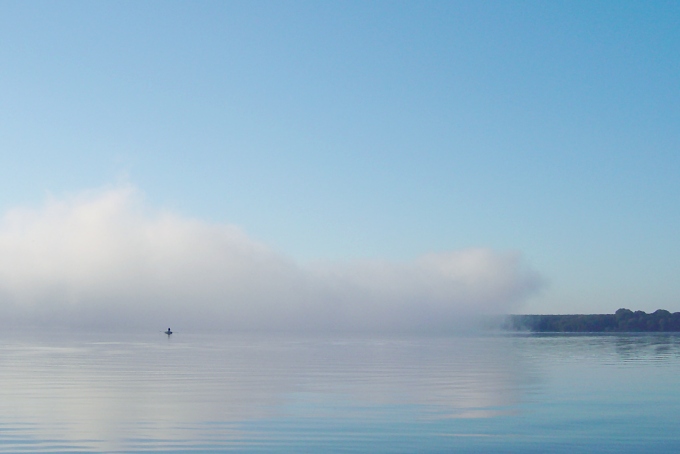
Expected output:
(104, 260)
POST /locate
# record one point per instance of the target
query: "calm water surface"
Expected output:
(216, 393)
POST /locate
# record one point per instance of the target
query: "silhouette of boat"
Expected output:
(168, 332)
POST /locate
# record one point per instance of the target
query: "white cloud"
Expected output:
(103, 259)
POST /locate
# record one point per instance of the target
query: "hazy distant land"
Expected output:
(624, 320)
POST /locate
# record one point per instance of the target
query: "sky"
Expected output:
(337, 163)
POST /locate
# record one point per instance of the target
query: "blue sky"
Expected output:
(349, 131)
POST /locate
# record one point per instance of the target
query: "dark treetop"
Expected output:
(624, 320)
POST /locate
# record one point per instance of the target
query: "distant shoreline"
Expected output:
(624, 320)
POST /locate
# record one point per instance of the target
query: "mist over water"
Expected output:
(105, 260)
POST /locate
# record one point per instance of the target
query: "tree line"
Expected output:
(624, 320)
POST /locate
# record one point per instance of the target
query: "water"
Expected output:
(216, 393)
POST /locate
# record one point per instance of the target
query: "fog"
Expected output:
(104, 259)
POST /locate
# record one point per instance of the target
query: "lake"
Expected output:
(512, 393)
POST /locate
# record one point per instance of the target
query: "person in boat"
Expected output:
(168, 332)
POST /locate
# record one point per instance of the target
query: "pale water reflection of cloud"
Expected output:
(103, 259)
(149, 392)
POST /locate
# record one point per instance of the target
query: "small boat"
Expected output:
(168, 332)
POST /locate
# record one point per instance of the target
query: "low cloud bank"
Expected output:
(104, 260)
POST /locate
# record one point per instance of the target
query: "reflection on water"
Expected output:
(657, 347)
(209, 393)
